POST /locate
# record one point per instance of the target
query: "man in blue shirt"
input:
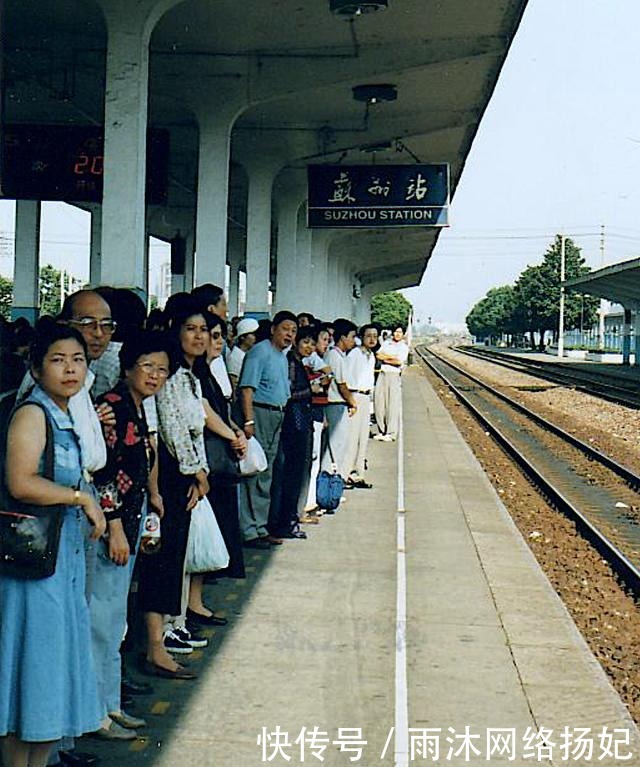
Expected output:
(263, 392)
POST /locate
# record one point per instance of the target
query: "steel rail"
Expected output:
(622, 471)
(620, 395)
(628, 573)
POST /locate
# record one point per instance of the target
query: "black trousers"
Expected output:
(290, 475)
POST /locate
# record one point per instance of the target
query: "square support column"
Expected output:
(125, 154)
(213, 198)
(26, 273)
(259, 238)
(95, 246)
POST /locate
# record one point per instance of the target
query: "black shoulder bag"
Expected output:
(29, 534)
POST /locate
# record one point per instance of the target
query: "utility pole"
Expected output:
(603, 303)
(561, 323)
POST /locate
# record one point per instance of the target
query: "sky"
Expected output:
(558, 150)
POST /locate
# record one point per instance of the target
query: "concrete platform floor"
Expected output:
(312, 635)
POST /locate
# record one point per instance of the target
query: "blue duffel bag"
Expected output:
(329, 487)
(329, 490)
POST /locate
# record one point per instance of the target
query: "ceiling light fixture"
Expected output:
(352, 8)
(375, 93)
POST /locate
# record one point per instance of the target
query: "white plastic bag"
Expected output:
(255, 460)
(206, 550)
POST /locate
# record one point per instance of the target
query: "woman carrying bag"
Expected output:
(47, 676)
(182, 480)
(225, 443)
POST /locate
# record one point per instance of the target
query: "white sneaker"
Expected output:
(380, 437)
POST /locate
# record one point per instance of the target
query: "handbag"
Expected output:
(255, 460)
(29, 534)
(329, 486)
(222, 461)
(206, 550)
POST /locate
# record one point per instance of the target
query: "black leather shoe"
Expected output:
(300, 534)
(257, 543)
(205, 620)
(130, 687)
(77, 759)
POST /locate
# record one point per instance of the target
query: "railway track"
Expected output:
(597, 493)
(622, 392)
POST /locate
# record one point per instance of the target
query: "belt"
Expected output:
(264, 406)
(338, 403)
(360, 391)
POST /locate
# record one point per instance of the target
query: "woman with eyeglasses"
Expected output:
(126, 488)
(223, 494)
(183, 480)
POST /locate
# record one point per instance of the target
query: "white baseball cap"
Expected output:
(246, 325)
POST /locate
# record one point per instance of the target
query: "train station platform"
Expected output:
(418, 631)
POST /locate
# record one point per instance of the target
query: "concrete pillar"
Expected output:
(213, 194)
(95, 246)
(189, 264)
(261, 177)
(177, 283)
(636, 333)
(26, 288)
(287, 294)
(322, 284)
(234, 287)
(363, 306)
(147, 247)
(304, 286)
(125, 145)
(626, 337)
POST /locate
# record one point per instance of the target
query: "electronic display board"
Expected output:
(66, 162)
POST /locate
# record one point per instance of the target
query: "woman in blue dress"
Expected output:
(47, 678)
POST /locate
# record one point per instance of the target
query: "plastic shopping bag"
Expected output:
(255, 460)
(206, 550)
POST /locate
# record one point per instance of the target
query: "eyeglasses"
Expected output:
(216, 334)
(150, 369)
(90, 323)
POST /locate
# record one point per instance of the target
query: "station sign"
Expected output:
(66, 163)
(373, 196)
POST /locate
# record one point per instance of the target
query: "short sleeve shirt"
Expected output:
(336, 359)
(398, 349)
(266, 371)
(234, 361)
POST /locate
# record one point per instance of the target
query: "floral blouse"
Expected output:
(181, 420)
(122, 483)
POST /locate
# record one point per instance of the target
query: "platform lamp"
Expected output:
(375, 93)
(352, 8)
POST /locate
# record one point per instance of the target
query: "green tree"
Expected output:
(495, 314)
(49, 290)
(390, 309)
(538, 293)
(6, 297)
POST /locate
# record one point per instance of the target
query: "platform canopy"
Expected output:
(282, 74)
(619, 283)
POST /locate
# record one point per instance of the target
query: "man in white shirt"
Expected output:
(387, 401)
(342, 404)
(361, 363)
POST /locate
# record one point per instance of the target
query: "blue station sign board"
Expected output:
(372, 196)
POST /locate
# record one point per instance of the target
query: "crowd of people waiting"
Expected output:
(138, 408)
